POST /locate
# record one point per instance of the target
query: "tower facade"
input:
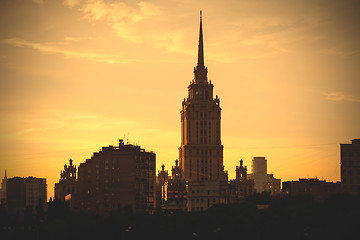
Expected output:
(241, 186)
(67, 182)
(201, 151)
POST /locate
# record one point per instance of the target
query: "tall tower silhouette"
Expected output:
(201, 152)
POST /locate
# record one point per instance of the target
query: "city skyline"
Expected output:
(79, 75)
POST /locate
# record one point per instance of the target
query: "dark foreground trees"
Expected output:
(258, 217)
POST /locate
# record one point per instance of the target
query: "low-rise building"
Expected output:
(204, 194)
(318, 189)
(24, 192)
(272, 185)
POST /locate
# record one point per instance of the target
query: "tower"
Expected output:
(201, 152)
(241, 186)
(241, 171)
(67, 182)
(259, 173)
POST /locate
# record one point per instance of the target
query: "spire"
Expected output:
(200, 71)
(201, 45)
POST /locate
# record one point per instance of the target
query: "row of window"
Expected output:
(208, 192)
(201, 200)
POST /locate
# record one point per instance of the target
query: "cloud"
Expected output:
(341, 50)
(71, 3)
(131, 23)
(121, 17)
(340, 96)
(65, 49)
(118, 12)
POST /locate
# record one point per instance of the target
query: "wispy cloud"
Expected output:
(63, 48)
(120, 17)
(341, 50)
(340, 96)
(71, 3)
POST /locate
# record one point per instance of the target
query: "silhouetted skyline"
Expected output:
(76, 75)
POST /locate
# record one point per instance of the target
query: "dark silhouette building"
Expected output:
(204, 194)
(201, 151)
(350, 167)
(241, 186)
(161, 180)
(318, 189)
(67, 182)
(117, 177)
(25, 192)
(264, 182)
(175, 190)
(3, 190)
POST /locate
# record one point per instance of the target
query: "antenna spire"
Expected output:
(201, 44)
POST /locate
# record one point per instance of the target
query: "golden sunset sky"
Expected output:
(78, 75)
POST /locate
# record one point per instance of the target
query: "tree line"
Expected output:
(257, 217)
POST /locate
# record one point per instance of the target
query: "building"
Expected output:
(201, 151)
(350, 167)
(264, 182)
(241, 186)
(175, 190)
(117, 177)
(3, 190)
(318, 189)
(204, 194)
(161, 181)
(272, 184)
(24, 192)
(67, 182)
(259, 173)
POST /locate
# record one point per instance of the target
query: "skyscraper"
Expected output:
(201, 151)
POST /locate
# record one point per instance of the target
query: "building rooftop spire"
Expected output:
(201, 44)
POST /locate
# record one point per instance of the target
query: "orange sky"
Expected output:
(78, 75)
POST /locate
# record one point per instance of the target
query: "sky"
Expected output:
(77, 75)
